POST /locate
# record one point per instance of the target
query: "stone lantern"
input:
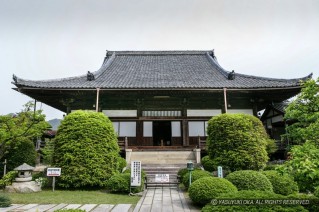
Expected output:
(24, 173)
(23, 183)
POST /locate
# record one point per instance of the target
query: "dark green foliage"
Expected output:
(48, 152)
(8, 179)
(312, 202)
(252, 197)
(237, 142)
(181, 173)
(27, 125)
(303, 166)
(271, 167)
(119, 183)
(203, 190)
(209, 164)
(5, 201)
(250, 180)
(122, 164)
(282, 184)
(316, 192)
(21, 152)
(196, 174)
(86, 149)
(304, 110)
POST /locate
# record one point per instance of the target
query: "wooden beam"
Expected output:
(97, 99)
(225, 99)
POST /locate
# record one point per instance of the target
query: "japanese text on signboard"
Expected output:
(136, 173)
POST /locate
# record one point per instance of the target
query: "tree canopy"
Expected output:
(25, 126)
(237, 141)
(86, 149)
(304, 113)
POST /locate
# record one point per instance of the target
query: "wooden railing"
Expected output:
(123, 144)
(201, 144)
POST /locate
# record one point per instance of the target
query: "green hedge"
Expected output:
(5, 201)
(8, 179)
(196, 174)
(251, 197)
(313, 205)
(250, 180)
(237, 142)
(203, 190)
(119, 183)
(209, 164)
(282, 184)
(86, 149)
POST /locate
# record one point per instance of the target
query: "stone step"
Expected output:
(163, 157)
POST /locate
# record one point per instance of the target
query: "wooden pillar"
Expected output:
(97, 99)
(185, 124)
(225, 99)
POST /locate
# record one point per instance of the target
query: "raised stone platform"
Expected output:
(23, 187)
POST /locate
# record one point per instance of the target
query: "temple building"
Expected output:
(161, 98)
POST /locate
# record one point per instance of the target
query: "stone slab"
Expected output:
(12, 207)
(147, 201)
(27, 207)
(146, 208)
(88, 207)
(57, 207)
(103, 208)
(41, 208)
(72, 206)
(167, 208)
(122, 208)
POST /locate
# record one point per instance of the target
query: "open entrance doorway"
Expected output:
(162, 133)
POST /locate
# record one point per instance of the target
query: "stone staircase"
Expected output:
(155, 171)
(163, 163)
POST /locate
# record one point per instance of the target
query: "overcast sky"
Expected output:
(47, 39)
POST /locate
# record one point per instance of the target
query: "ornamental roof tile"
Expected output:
(160, 70)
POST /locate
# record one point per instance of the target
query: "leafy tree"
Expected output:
(86, 149)
(237, 141)
(20, 130)
(303, 166)
(304, 112)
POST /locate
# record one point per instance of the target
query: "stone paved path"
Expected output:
(164, 200)
(154, 200)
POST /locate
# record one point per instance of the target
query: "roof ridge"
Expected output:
(161, 52)
(274, 79)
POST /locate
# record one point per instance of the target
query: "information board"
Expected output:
(54, 172)
(162, 178)
(220, 172)
(136, 173)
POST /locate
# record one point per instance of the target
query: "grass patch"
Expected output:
(72, 197)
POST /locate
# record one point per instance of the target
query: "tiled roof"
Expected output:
(161, 70)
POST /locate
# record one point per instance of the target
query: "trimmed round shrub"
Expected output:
(254, 202)
(86, 149)
(282, 184)
(23, 151)
(196, 174)
(119, 183)
(203, 190)
(250, 180)
(237, 142)
(181, 172)
(5, 201)
(209, 164)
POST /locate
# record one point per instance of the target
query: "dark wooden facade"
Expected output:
(161, 99)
